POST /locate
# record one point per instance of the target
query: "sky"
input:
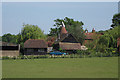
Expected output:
(96, 15)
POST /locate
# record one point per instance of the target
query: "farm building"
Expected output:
(9, 49)
(90, 36)
(35, 47)
(66, 42)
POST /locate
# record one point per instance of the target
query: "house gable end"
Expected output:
(70, 38)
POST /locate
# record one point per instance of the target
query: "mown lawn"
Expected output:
(106, 67)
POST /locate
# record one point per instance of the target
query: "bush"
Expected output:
(21, 57)
(14, 57)
(30, 57)
(81, 53)
(92, 54)
(71, 55)
(5, 57)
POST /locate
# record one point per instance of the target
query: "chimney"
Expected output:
(93, 30)
(87, 31)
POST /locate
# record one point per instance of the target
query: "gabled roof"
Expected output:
(67, 35)
(70, 46)
(92, 35)
(35, 43)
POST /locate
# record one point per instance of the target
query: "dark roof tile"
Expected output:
(35, 43)
(7, 44)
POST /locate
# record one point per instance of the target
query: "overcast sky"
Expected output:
(96, 15)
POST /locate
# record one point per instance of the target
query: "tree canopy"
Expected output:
(9, 38)
(116, 20)
(31, 32)
(73, 27)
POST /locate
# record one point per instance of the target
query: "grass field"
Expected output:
(106, 67)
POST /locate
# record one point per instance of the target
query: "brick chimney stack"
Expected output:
(93, 30)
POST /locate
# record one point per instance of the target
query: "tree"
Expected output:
(30, 32)
(0, 38)
(9, 38)
(76, 30)
(73, 27)
(107, 40)
(116, 20)
(53, 31)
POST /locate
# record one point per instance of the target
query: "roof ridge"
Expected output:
(35, 39)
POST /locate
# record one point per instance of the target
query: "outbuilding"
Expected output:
(35, 47)
(9, 49)
(66, 42)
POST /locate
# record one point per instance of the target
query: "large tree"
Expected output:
(9, 38)
(73, 27)
(116, 20)
(30, 32)
(107, 40)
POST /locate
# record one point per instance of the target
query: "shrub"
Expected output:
(14, 57)
(5, 57)
(71, 55)
(21, 57)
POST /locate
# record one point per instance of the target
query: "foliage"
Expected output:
(31, 32)
(54, 31)
(106, 40)
(60, 49)
(50, 40)
(27, 32)
(116, 20)
(110, 37)
(9, 38)
(73, 27)
(104, 44)
(83, 53)
(77, 30)
(114, 32)
(100, 48)
(101, 31)
(5, 57)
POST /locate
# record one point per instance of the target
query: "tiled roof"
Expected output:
(92, 35)
(89, 35)
(65, 36)
(70, 46)
(7, 44)
(35, 43)
(63, 30)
